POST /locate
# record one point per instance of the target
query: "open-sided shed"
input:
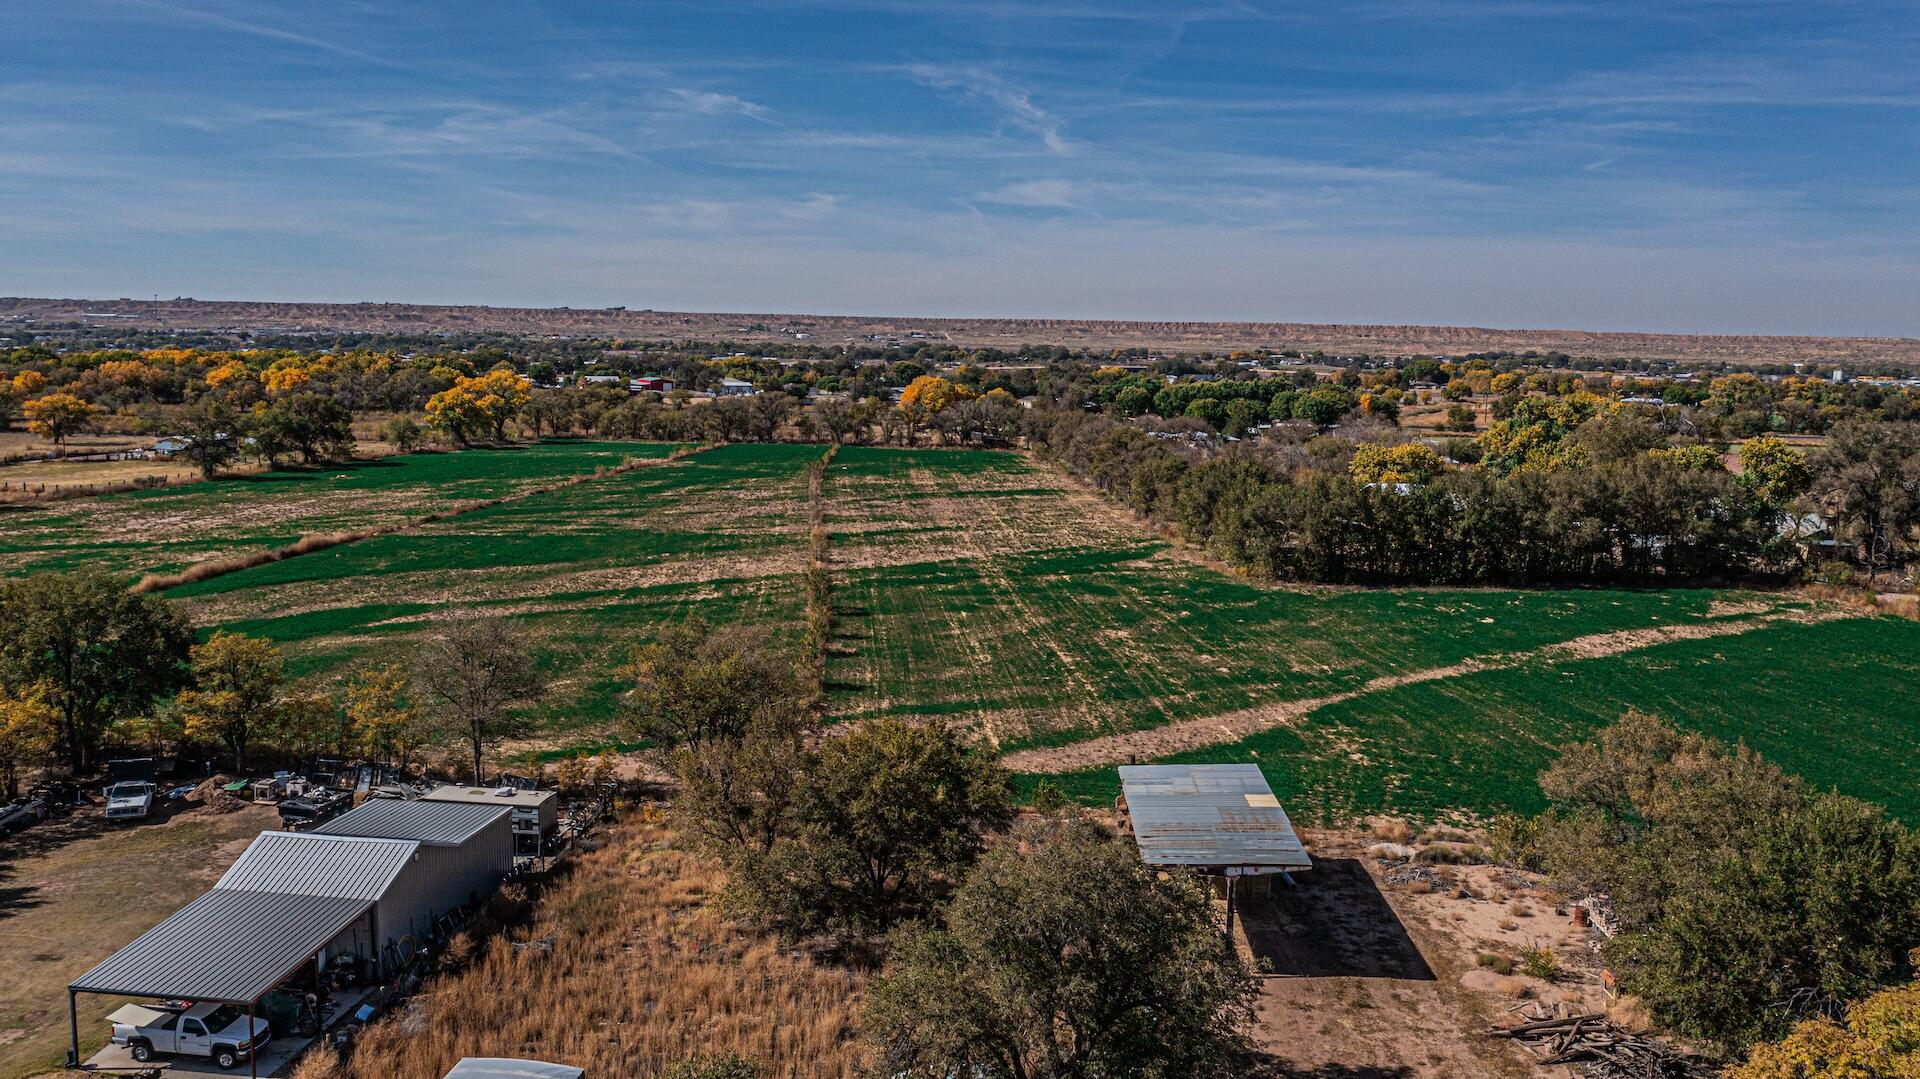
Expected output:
(1219, 819)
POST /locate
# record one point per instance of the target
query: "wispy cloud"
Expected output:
(1015, 103)
(169, 12)
(709, 103)
(1038, 194)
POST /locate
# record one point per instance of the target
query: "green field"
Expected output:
(980, 587)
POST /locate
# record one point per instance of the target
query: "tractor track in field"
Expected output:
(1191, 734)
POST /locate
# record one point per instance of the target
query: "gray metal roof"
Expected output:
(304, 863)
(1209, 815)
(228, 945)
(503, 1068)
(439, 824)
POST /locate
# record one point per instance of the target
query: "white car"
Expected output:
(216, 1031)
(129, 800)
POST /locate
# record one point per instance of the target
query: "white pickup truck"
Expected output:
(218, 1031)
(129, 800)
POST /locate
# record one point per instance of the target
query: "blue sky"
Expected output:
(1695, 165)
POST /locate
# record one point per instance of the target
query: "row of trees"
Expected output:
(1046, 951)
(85, 663)
(1563, 496)
(1747, 900)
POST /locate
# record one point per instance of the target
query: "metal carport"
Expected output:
(283, 901)
(229, 947)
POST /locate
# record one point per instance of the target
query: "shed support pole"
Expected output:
(253, 1051)
(73, 1026)
(1230, 890)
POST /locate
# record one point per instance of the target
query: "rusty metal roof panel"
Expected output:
(1211, 816)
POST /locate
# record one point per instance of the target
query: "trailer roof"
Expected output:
(230, 945)
(439, 824)
(1209, 816)
(500, 796)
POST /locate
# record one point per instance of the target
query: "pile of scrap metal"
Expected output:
(1599, 1049)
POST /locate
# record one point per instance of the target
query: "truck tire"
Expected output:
(226, 1057)
(142, 1052)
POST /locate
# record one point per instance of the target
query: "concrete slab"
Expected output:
(275, 1060)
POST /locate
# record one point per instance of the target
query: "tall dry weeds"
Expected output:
(642, 973)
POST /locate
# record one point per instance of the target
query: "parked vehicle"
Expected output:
(216, 1031)
(313, 808)
(22, 812)
(131, 800)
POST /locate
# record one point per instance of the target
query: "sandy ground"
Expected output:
(1368, 979)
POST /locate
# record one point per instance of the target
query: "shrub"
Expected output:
(1539, 961)
(1499, 964)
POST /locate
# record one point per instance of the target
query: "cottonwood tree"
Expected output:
(478, 673)
(235, 694)
(26, 734)
(212, 431)
(1869, 474)
(1063, 955)
(96, 652)
(379, 704)
(57, 416)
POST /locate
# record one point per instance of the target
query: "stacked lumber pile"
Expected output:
(1599, 1049)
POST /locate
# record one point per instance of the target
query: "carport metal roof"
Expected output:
(1210, 816)
(440, 824)
(230, 945)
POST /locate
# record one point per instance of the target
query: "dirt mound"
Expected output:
(210, 796)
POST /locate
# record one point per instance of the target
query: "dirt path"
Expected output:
(1233, 726)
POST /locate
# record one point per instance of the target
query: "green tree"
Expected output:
(880, 816)
(478, 673)
(1062, 955)
(698, 683)
(1323, 405)
(403, 432)
(212, 433)
(236, 689)
(319, 428)
(96, 651)
(1744, 898)
(1460, 417)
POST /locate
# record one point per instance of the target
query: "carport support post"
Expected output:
(1230, 879)
(253, 1051)
(73, 1025)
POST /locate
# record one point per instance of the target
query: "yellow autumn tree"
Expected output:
(236, 686)
(930, 394)
(479, 405)
(1412, 462)
(57, 416)
(384, 718)
(231, 371)
(28, 383)
(26, 734)
(285, 377)
(1880, 1038)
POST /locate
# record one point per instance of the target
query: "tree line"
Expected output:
(1562, 495)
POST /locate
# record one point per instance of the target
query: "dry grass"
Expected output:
(642, 972)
